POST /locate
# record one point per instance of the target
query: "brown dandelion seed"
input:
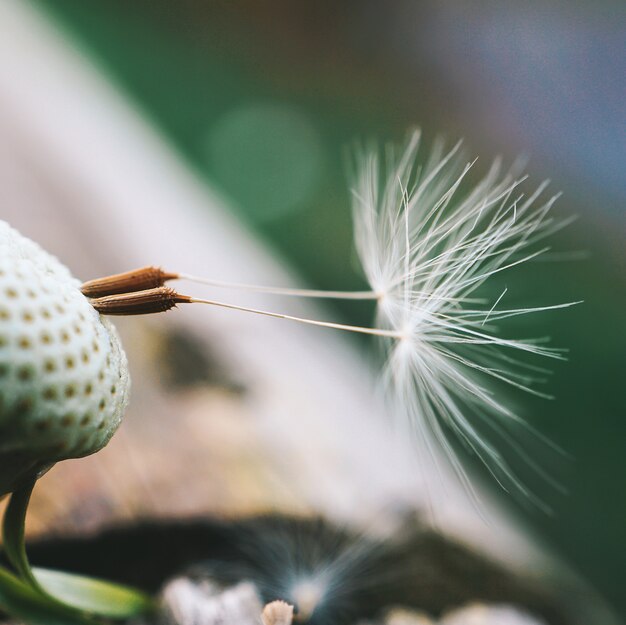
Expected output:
(140, 302)
(136, 280)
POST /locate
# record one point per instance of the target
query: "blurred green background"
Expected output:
(263, 98)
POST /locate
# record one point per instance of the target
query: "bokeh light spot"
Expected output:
(266, 157)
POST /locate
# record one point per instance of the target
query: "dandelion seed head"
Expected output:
(64, 381)
(323, 572)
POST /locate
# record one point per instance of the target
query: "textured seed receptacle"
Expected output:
(63, 374)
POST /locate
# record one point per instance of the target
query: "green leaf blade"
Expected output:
(93, 595)
(21, 601)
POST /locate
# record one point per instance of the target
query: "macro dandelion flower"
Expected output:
(427, 240)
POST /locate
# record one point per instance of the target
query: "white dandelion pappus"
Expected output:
(426, 246)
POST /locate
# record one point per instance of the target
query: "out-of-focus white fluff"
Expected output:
(426, 244)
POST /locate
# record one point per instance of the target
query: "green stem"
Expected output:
(13, 532)
(79, 594)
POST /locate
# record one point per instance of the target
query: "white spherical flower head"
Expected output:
(64, 380)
